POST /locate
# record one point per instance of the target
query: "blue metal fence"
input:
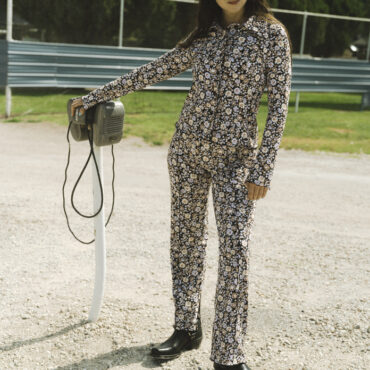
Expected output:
(40, 64)
(36, 64)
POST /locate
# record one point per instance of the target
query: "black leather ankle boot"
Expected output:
(180, 341)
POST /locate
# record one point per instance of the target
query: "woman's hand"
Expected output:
(75, 104)
(256, 192)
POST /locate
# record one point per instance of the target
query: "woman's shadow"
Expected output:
(120, 357)
(123, 356)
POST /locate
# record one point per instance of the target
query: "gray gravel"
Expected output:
(309, 273)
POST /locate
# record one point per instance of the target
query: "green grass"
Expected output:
(325, 121)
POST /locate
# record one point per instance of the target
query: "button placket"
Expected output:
(223, 43)
(223, 83)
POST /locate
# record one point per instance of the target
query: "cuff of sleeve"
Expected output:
(258, 179)
(86, 103)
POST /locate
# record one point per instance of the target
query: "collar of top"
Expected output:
(251, 25)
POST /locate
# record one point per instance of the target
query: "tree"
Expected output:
(162, 23)
(97, 21)
(324, 36)
(339, 33)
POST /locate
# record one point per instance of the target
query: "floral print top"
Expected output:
(231, 68)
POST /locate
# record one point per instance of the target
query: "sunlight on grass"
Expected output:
(325, 121)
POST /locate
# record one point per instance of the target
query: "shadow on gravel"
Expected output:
(21, 343)
(124, 356)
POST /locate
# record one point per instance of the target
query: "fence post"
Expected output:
(8, 101)
(121, 16)
(365, 101)
(9, 37)
(301, 50)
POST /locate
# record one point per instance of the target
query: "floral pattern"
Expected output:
(194, 167)
(231, 68)
(215, 145)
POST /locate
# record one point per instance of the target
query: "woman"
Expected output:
(236, 51)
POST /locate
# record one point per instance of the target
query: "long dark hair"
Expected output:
(209, 10)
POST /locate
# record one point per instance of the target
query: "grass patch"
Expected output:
(325, 121)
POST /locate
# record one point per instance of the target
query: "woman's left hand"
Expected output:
(256, 192)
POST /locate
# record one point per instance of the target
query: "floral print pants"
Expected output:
(194, 166)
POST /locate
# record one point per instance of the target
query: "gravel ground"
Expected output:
(309, 272)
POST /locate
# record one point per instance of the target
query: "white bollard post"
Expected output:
(99, 226)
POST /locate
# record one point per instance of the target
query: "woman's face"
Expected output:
(231, 6)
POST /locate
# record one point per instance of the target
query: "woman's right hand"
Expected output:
(75, 104)
(255, 192)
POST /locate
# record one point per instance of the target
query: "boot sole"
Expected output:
(195, 344)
